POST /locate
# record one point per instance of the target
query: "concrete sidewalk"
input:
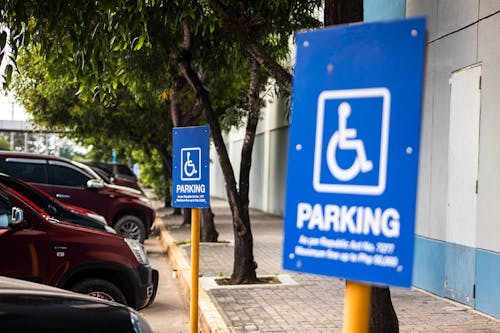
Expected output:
(302, 302)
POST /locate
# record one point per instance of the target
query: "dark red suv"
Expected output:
(68, 256)
(127, 210)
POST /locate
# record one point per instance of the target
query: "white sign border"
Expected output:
(384, 140)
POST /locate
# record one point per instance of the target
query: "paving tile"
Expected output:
(315, 304)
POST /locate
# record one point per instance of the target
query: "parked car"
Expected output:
(118, 174)
(127, 210)
(28, 307)
(71, 257)
(55, 208)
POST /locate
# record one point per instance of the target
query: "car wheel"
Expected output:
(132, 227)
(101, 289)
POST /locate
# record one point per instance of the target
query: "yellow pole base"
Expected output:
(356, 307)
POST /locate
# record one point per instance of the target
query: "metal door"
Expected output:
(463, 157)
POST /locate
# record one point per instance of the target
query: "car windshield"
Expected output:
(124, 170)
(88, 169)
(103, 174)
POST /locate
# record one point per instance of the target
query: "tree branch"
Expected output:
(243, 35)
(252, 121)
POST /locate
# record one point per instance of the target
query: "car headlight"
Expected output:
(109, 229)
(138, 250)
(146, 201)
(97, 217)
(139, 324)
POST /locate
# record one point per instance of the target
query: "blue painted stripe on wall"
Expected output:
(428, 265)
(379, 10)
(460, 273)
(488, 282)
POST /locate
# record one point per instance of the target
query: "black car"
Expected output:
(118, 174)
(32, 307)
(54, 207)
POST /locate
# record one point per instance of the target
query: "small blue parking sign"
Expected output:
(353, 152)
(190, 167)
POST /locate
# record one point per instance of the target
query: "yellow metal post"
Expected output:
(356, 307)
(195, 256)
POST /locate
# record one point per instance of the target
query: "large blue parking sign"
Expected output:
(353, 152)
(190, 167)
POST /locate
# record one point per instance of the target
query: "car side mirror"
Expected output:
(17, 218)
(95, 183)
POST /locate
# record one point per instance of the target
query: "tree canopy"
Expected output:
(114, 67)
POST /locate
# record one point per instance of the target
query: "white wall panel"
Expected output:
(488, 7)
(217, 182)
(463, 156)
(450, 53)
(257, 173)
(235, 156)
(277, 173)
(489, 152)
(427, 8)
(456, 14)
(425, 159)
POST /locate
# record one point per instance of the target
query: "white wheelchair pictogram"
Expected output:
(341, 153)
(189, 167)
(346, 139)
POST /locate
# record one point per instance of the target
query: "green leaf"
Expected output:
(3, 40)
(8, 73)
(140, 43)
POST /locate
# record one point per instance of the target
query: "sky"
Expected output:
(10, 110)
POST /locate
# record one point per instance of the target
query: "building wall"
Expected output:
(461, 33)
(268, 171)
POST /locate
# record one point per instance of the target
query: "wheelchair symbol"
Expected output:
(345, 139)
(330, 175)
(189, 167)
(191, 164)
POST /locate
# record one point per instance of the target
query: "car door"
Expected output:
(69, 184)
(23, 251)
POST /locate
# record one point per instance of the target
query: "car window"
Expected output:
(29, 193)
(5, 211)
(32, 172)
(124, 170)
(65, 176)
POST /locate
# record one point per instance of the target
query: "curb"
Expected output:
(209, 318)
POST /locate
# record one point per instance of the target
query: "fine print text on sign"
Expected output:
(190, 161)
(353, 152)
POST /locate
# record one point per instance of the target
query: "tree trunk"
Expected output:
(186, 217)
(244, 267)
(383, 318)
(328, 13)
(168, 198)
(343, 11)
(244, 270)
(177, 211)
(208, 232)
(243, 245)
